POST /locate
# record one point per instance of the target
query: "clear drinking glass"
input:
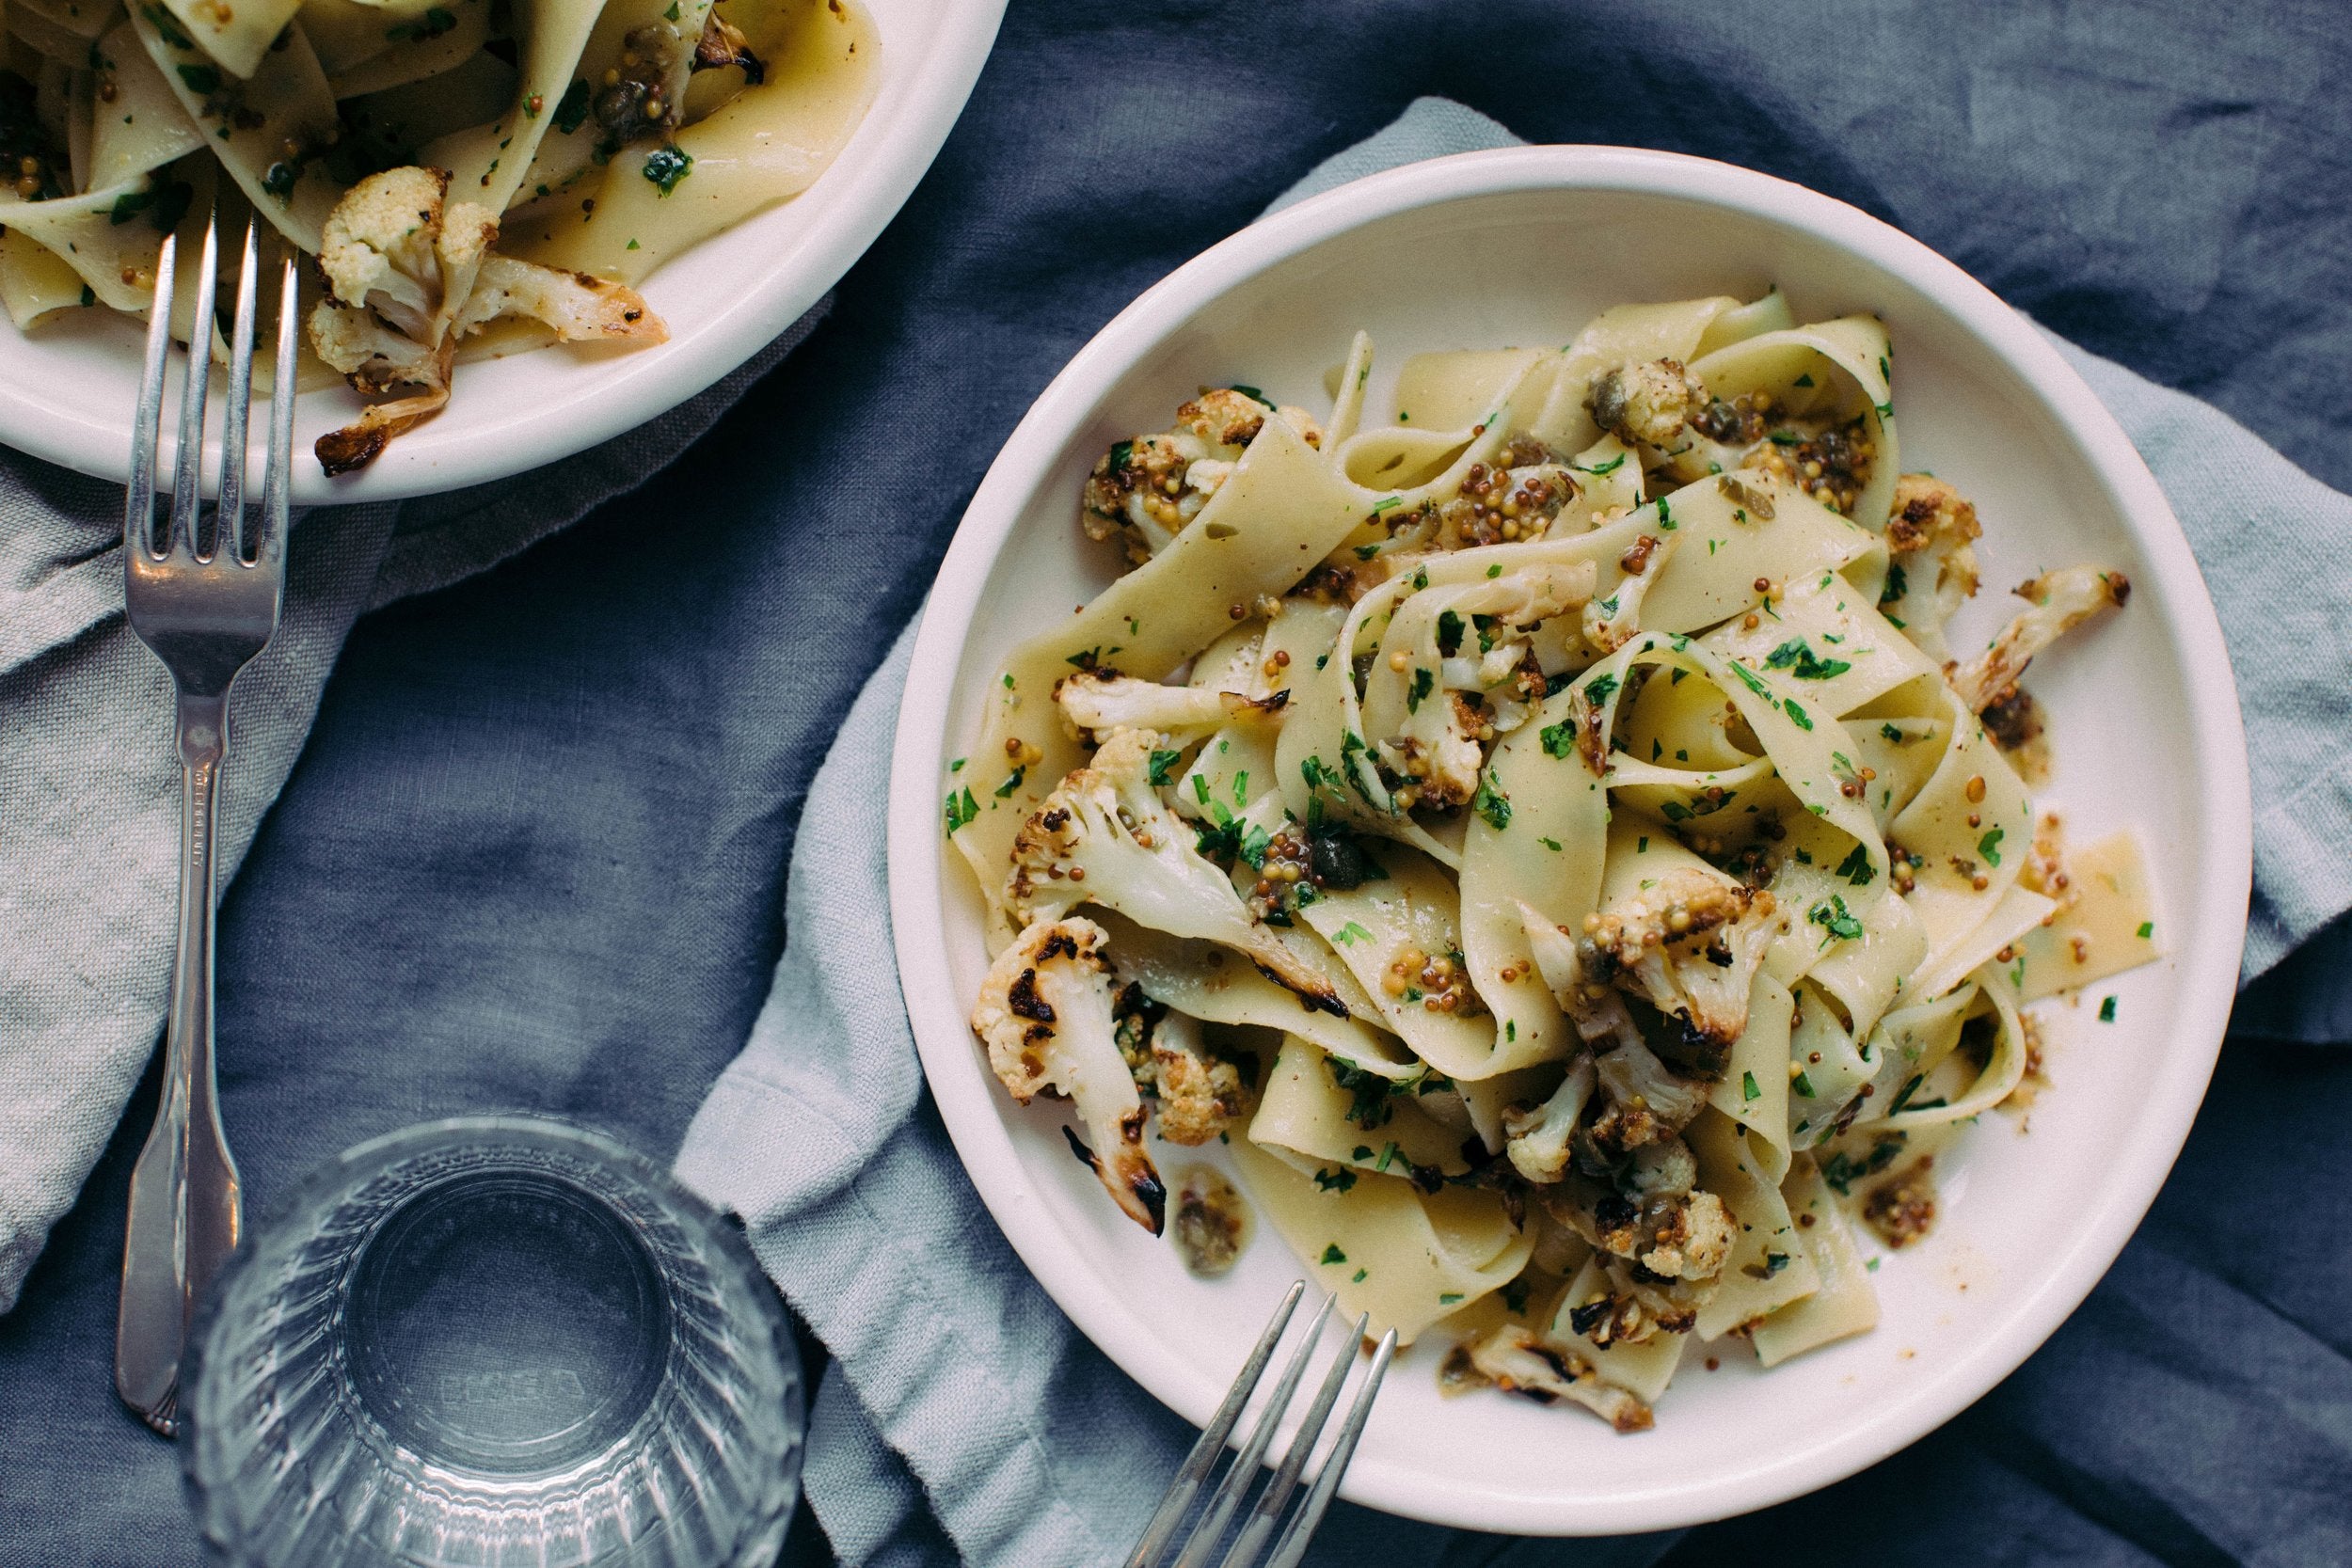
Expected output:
(494, 1341)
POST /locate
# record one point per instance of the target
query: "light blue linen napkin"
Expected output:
(963, 1413)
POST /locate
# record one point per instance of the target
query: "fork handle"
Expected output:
(185, 1205)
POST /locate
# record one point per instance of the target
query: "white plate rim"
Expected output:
(877, 170)
(2210, 957)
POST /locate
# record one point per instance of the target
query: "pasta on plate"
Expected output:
(473, 177)
(1544, 834)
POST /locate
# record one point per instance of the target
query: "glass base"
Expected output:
(491, 1341)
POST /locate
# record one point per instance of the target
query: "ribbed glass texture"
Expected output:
(494, 1341)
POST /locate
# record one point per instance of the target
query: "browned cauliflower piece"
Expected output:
(1930, 539)
(409, 274)
(1103, 835)
(1516, 1360)
(2061, 601)
(1200, 1095)
(1045, 1015)
(1688, 944)
(1647, 403)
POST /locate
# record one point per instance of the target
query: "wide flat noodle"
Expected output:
(486, 163)
(283, 102)
(1845, 1304)
(443, 38)
(1386, 1248)
(1202, 979)
(35, 284)
(237, 36)
(2107, 925)
(1768, 1268)
(1641, 1368)
(115, 259)
(1308, 1120)
(766, 145)
(144, 126)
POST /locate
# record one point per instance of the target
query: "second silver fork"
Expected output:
(205, 606)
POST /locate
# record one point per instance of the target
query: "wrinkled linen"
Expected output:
(533, 853)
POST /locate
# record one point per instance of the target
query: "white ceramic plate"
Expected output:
(67, 393)
(1523, 247)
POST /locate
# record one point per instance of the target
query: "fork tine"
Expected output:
(1237, 1481)
(229, 517)
(1292, 1547)
(269, 541)
(139, 499)
(1202, 1459)
(188, 469)
(1276, 1497)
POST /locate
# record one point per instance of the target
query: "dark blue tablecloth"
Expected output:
(534, 855)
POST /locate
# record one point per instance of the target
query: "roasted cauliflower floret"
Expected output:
(2061, 600)
(1200, 1095)
(1689, 946)
(1103, 835)
(1642, 1100)
(1104, 699)
(395, 245)
(1610, 623)
(409, 274)
(1674, 1236)
(1045, 1015)
(1645, 403)
(1538, 1137)
(1516, 1360)
(1930, 537)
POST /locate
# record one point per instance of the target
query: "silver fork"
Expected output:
(1208, 1533)
(205, 611)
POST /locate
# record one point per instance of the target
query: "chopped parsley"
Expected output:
(1748, 1090)
(1491, 803)
(1803, 1085)
(962, 810)
(1350, 934)
(1897, 585)
(1856, 867)
(1559, 739)
(1834, 917)
(2106, 1010)
(665, 166)
(1335, 1180)
(1331, 1254)
(1164, 767)
(1799, 661)
(1842, 1171)
(1449, 1298)
(1252, 393)
(1012, 782)
(1990, 847)
(1797, 715)
(1601, 689)
(2147, 930)
(1423, 679)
